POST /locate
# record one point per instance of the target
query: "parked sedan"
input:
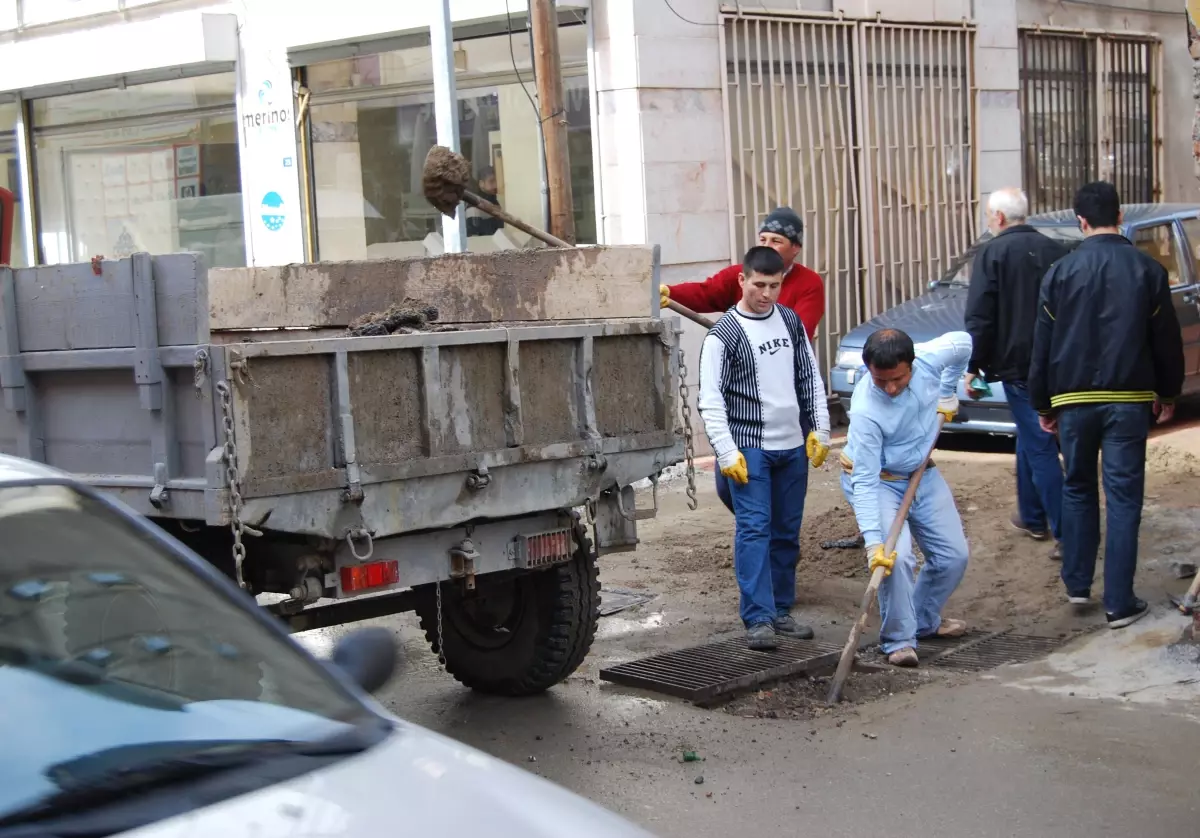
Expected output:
(145, 694)
(1170, 233)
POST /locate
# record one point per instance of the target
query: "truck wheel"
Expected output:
(156, 644)
(520, 635)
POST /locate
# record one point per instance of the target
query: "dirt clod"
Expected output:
(402, 318)
(444, 179)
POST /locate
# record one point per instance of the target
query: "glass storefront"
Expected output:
(10, 179)
(150, 167)
(372, 123)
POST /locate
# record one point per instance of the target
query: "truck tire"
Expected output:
(542, 625)
(128, 624)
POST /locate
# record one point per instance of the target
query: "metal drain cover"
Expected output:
(703, 673)
(997, 649)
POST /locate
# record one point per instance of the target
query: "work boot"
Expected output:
(1035, 534)
(906, 657)
(787, 625)
(762, 638)
(1129, 616)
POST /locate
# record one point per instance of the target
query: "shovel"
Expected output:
(847, 660)
(444, 182)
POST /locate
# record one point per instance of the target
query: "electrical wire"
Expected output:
(513, 54)
(687, 20)
(1098, 4)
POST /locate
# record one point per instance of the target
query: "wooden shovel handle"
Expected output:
(846, 663)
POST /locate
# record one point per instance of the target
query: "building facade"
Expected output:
(274, 131)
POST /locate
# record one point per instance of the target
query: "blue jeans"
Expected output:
(910, 606)
(1039, 472)
(1118, 433)
(768, 511)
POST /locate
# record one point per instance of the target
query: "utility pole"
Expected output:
(445, 109)
(553, 114)
(1193, 22)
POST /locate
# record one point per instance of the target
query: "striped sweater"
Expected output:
(760, 386)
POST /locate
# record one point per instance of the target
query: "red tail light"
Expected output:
(366, 576)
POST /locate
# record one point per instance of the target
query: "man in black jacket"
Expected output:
(1002, 308)
(1107, 357)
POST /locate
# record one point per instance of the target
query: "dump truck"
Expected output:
(471, 470)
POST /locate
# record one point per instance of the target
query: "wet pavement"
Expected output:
(1100, 738)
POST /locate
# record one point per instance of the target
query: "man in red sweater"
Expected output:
(802, 290)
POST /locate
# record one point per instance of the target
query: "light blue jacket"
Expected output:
(895, 434)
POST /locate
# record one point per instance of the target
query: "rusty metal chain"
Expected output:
(440, 639)
(689, 442)
(233, 477)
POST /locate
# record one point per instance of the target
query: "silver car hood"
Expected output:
(413, 783)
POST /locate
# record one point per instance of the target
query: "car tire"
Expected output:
(543, 624)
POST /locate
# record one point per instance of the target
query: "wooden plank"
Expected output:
(505, 286)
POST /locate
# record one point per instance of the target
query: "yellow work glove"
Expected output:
(733, 466)
(664, 295)
(948, 407)
(878, 559)
(817, 447)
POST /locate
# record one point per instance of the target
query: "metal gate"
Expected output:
(867, 130)
(1090, 111)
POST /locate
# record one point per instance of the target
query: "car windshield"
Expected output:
(959, 272)
(112, 646)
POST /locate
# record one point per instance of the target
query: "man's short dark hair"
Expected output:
(762, 261)
(1099, 204)
(887, 349)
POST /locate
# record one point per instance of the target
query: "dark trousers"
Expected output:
(1118, 432)
(1039, 473)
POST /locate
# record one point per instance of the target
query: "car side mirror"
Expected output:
(368, 656)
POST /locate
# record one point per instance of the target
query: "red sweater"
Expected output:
(802, 291)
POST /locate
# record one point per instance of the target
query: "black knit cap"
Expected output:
(785, 222)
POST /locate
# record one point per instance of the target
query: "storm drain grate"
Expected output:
(991, 650)
(703, 673)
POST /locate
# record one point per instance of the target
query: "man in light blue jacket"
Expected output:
(893, 424)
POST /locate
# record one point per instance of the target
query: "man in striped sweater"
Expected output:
(763, 405)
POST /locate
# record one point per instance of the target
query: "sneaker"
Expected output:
(1034, 533)
(1056, 553)
(1079, 597)
(906, 657)
(787, 625)
(1130, 615)
(761, 638)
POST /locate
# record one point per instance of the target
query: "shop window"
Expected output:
(140, 169)
(372, 123)
(10, 180)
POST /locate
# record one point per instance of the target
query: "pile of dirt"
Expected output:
(804, 698)
(820, 562)
(404, 318)
(444, 178)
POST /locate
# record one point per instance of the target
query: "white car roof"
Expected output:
(15, 469)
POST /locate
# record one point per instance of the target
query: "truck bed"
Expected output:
(111, 371)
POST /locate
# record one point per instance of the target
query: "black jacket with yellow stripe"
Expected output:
(1106, 329)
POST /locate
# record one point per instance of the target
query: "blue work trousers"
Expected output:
(768, 512)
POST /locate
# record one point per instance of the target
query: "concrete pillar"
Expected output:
(662, 135)
(997, 78)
